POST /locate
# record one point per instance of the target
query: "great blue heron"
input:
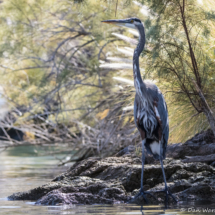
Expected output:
(150, 110)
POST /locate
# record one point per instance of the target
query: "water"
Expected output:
(22, 170)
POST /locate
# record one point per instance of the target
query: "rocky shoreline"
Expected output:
(117, 179)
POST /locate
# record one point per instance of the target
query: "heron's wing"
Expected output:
(163, 112)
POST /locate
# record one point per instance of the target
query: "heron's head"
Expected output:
(129, 23)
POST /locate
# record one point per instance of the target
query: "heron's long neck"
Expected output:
(138, 81)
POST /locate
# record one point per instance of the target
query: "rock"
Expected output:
(213, 164)
(117, 180)
(205, 158)
(202, 144)
(97, 193)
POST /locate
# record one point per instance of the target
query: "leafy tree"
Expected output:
(49, 60)
(179, 41)
(179, 55)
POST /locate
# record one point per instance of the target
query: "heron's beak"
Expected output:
(120, 22)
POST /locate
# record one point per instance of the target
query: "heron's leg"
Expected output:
(143, 137)
(143, 163)
(166, 190)
(164, 176)
(142, 192)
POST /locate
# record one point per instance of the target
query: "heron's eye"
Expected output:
(132, 21)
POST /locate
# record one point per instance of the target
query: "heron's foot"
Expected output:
(168, 193)
(143, 194)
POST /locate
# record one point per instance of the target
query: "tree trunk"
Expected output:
(206, 109)
(210, 118)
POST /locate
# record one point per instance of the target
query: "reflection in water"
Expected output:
(19, 173)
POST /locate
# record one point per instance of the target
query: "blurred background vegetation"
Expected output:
(66, 78)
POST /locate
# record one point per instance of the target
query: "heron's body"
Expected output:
(145, 115)
(150, 110)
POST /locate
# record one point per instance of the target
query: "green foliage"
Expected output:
(180, 36)
(180, 50)
(49, 56)
(50, 52)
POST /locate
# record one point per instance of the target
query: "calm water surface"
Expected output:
(20, 170)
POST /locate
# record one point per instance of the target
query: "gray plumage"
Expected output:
(147, 118)
(150, 110)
